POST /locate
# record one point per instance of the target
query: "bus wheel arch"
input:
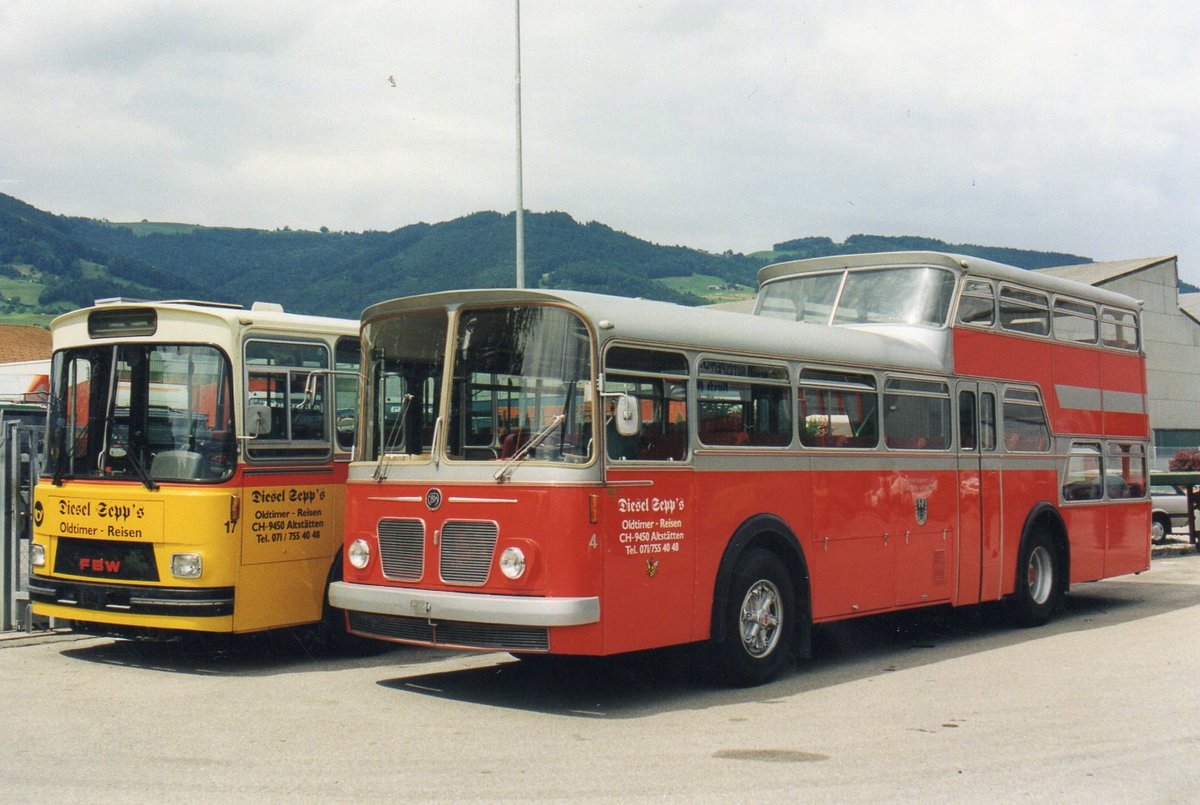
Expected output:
(1043, 567)
(762, 569)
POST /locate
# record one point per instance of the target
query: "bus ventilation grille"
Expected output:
(467, 547)
(454, 634)
(402, 549)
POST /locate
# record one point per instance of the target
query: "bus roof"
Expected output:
(261, 315)
(669, 325)
(960, 264)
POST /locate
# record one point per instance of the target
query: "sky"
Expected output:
(1051, 124)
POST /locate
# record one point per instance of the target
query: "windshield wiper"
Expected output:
(140, 471)
(532, 444)
(380, 473)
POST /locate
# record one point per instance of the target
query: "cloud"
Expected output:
(1053, 125)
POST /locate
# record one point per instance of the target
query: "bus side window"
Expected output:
(1025, 427)
(658, 380)
(967, 436)
(1084, 470)
(837, 409)
(347, 360)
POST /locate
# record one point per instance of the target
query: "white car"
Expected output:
(1168, 510)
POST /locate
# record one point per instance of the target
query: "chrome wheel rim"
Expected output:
(761, 618)
(1040, 575)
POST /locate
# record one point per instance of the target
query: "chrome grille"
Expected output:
(402, 549)
(466, 551)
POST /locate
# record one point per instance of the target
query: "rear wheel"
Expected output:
(759, 621)
(1040, 581)
(1160, 527)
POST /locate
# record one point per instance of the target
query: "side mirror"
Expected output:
(627, 415)
(258, 419)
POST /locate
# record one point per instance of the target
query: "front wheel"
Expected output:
(759, 621)
(1040, 578)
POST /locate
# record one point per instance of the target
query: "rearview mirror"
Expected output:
(258, 419)
(627, 415)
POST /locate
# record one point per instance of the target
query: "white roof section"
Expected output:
(267, 315)
(669, 325)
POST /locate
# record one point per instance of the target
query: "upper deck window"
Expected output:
(1074, 321)
(918, 295)
(809, 298)
(977, 305)
(1024, 311)
(1119, 329)
(896, 296)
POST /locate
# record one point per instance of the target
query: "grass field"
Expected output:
(699, 284)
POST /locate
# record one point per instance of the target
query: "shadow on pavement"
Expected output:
(644, 684)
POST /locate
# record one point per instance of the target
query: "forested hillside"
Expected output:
(51, 263)
(341, 273)
(45, 268)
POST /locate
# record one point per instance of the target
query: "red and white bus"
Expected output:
(569, 473)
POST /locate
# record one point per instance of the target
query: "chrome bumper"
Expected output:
(436, 605)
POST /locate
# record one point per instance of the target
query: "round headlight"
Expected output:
(359, 553)
(512, 563)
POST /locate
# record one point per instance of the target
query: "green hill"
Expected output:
(51, 263)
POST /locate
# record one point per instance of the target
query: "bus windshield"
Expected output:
(907, 295)
(145, 412)
(519, 373)
(517, 369)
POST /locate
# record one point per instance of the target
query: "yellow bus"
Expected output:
(195, 467)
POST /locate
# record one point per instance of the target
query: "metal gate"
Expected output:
(22, 433)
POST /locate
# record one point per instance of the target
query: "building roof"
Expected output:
(1189, 303)
(20, 343)
(1100, 273)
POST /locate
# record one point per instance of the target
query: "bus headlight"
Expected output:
(359, 553)
(37, 555)
(186, 565)
(512, 563)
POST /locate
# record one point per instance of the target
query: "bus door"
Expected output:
(293, 490)
(646, 516)
(978, 491)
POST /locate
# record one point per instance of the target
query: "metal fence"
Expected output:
(22, 433)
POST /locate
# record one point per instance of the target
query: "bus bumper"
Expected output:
(507, 610)
(208, 601)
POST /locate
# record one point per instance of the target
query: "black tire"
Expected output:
(1160, 528)
(759, 621)
(1040, 581)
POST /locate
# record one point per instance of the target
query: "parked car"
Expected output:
(1168, 510)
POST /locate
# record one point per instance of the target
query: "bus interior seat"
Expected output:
(176, 464)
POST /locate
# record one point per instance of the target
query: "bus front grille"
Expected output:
(402, 549)
(456, 634)
(467, 547)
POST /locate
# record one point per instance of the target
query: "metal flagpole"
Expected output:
(520, 169)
